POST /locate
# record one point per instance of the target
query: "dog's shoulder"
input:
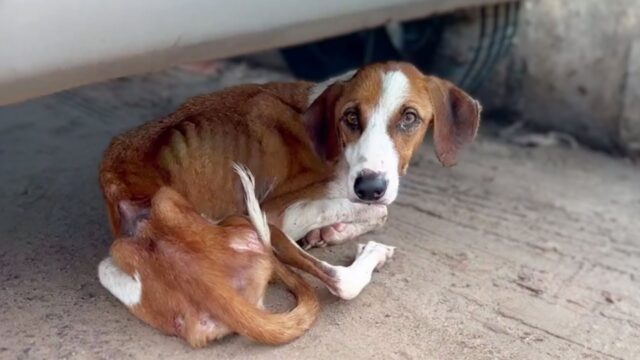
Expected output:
(294, 94)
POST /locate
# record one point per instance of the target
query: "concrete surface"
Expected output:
(630, 115)
(574, 69)
(517, 253)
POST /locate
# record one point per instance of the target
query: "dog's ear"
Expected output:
(320, 123)
(456, 117)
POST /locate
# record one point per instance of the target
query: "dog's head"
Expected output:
(374, 120)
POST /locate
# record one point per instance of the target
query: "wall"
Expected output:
(575, 67)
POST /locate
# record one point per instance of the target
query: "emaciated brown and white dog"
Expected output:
(327, 159)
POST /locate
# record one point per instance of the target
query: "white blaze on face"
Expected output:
(124, 287)
(375, 149)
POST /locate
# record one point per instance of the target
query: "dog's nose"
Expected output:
(370, 186)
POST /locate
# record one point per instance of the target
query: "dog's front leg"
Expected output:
(340, 232)
(332, 220)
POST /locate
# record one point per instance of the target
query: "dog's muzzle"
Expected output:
(370, 186)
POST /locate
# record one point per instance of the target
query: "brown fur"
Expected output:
(197, 287)
(454, 114)
(245, 124)
(162, 180)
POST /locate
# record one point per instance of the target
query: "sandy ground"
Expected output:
(517, 253)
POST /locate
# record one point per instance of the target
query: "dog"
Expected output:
(202, 280)
(327, 159)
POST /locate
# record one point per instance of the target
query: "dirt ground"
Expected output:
(516, 253)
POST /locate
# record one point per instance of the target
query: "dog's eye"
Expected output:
(352, 119)
(409, 120)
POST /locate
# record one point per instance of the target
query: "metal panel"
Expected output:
(47, 46)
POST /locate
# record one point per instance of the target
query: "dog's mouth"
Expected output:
(382, 201)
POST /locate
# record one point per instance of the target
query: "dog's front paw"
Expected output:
(334, 234)
(312, 239)
(351, 280)
(380, 251)
(328, 235)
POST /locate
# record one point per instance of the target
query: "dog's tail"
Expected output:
(257, 324)
(257, 217)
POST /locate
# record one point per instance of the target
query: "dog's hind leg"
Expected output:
(346, 282)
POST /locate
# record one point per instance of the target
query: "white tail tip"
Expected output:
(257, 217)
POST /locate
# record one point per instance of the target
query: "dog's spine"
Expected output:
(256, 215)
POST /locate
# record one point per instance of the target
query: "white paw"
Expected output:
(380, 251)
(350, 281)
